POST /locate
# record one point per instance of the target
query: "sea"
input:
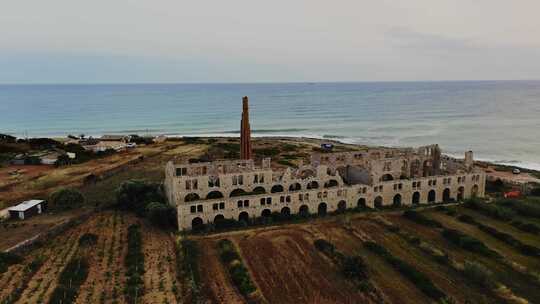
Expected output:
(498, 120)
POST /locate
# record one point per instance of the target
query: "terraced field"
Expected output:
(285, 266)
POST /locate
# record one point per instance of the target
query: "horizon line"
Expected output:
(262, 82)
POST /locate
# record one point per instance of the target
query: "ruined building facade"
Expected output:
(373, 178)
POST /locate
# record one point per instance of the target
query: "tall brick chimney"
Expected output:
(245, 131)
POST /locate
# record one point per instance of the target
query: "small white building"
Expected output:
(27, 209)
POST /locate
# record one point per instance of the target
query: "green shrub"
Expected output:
(88, 239)
(418, 278)
(510, 240)
(466, 219)
(135, 195)
(266, 152)
(527, 227)
(324, 246)
(528, 208)
(134, 263)
(161, 215)
(7, 259)
(421, 219)
(354, 267)
(478, 274)
(65, 199)
(70, 281)
(238, 272)
(491, 210)
(467, 242)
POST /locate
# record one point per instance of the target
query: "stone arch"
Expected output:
(303, 211)
(387, 177)
(396, 202)
(378, 202)
(190, 197)
(258, 190)
(243, 217)
(313, 185)
(331, 183)
(432, 196)
(460, 193)
(286, 211)
(342, 206)
(214, 194)
(446, 195)
(266, 213)
(238, 192)
(416, 198)
(361, 203)
(474, 191)
(276, 189)
(322, 209)
(218, 218)
(197, 224)
(295, 187)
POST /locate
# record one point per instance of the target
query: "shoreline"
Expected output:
(526, 166)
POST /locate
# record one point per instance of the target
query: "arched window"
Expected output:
(214, 195)
(191, 197)
(432, 196)
(446, 195)
(361, 203)
(313, 185)
(258, 190)
(378, 202)
(277, 189)
(416, 198)
(397, 200)
(321, 210)
(295, 187)
(197, 224)
(331, 183)
(342, 206)
(304, 211)
(237, 192)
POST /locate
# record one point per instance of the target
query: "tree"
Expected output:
(66, 198)
(135, 195)
(159, 214)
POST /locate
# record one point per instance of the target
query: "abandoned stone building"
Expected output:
(372, 178)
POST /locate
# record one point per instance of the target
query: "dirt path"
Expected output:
(217, 284)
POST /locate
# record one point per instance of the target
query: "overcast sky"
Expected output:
(120, 41)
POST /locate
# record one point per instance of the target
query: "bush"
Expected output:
(88, 239)
(523, 207)
(466, 219)
(490, 210)
(478, 274)
(354, 267)
(70, 280)
(527, 227)
(324, 246)
(7, 259)
(159, 214)
(510, 240)
(134, 262)
(65, 199)
(135, 195)
(418, 278)
(421, 219)
(535, 191)
(467, 242)
(238, 272)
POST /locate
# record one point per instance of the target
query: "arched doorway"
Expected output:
(446, 195)
(432, 196)
(416, 198)
(214, 195)
(286, 211)
(243, 217)
(197, 224)
(321, 210)
(219, 220)
(474, 191)
(266, 213)
(342, 206)
(276, 189)
(397, 200)
(303, 211)
(361, 203)
(378, 202)
(460, 193)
